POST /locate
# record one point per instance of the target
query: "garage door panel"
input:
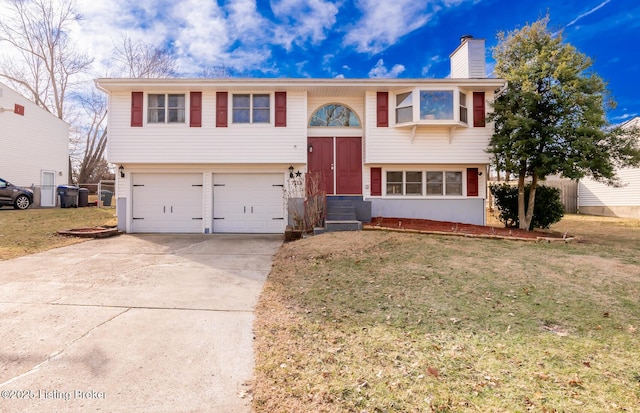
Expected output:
(167, 203)
(249, 203)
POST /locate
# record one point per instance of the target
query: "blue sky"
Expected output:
(360, 38)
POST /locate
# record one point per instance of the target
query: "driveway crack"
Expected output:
(60, 352)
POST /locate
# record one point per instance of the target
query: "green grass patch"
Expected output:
(34, 230)
(387, 322)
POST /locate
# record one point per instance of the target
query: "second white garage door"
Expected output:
(248, 203)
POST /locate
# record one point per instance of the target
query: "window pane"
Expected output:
(155, 116)
(155, 110)
(414, 183)
(240, 115)
(394, 183)
(454, 183)
(436, 104)
(394, 177)
(261, 115)
(261, 101)
(334, 115)
(241, 108)
(434, 183)
(156, 101)
(404, 107)
(241, 101)
(404, 100)
(176, 101)
(404, 115)
(414, 189)
(176, 116)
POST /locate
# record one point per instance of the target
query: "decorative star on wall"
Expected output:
(298, 174)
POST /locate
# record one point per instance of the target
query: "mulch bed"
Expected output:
(455, 228)
(95, 232)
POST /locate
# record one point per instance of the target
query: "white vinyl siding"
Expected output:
(592, 193)
(31, 144)
(178, 143)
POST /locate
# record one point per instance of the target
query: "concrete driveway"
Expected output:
(149, 323)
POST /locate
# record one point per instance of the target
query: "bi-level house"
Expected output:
(213, 155)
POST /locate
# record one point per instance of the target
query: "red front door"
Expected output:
(341, 163)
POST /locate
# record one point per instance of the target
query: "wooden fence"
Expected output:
(568, 192)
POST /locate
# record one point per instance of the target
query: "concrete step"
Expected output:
(341, 216)
(343, 225)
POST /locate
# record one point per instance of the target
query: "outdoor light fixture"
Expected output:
(310, 148)
(121, 169)
(291, 171)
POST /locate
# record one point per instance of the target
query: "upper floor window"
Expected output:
(404, 107)
(436, 104)
(463, 107)
(166, 108)
(335, 115)
(432, 107)
(251, 108)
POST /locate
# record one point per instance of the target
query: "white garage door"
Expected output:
(167, 203)
(248, 203)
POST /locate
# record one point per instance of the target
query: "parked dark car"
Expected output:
(19, 197)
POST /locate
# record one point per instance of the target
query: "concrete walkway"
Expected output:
(149, 323)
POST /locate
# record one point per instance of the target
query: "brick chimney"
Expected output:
(468, 60)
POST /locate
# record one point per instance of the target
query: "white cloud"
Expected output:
(381, 71)
(427, 67)
(302, 21)
(384, 22)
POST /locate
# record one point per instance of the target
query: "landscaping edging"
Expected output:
(462, 234)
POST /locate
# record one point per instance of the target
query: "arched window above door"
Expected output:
(335, 115)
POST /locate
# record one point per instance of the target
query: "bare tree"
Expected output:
(144, 61)
(137, 60)
(91, 135)
(47, 62)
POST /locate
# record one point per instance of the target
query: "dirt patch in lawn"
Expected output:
(456, 228)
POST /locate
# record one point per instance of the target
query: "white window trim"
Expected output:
(251, 122)
(416, 107)
(187, 110)
(424, 184)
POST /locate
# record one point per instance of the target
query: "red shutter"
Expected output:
(383, 109)
(195, 109)
(137, 103)
(18, 109)
(478, 109)
(472, 181)
(376, 181)
(221, 109)
(281, 109)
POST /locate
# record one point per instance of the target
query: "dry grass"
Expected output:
(34, 230)
(386, 322)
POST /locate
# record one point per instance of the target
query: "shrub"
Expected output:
(547, 209)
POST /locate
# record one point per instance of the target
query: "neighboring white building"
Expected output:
(595, 198)
(34, 146)
(213, 155)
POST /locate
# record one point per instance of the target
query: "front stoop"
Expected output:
(341, 215)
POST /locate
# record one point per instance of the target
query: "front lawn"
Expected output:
(34, 230)
(388, 322)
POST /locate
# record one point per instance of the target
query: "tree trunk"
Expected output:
(522, 218)
(532, 200)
